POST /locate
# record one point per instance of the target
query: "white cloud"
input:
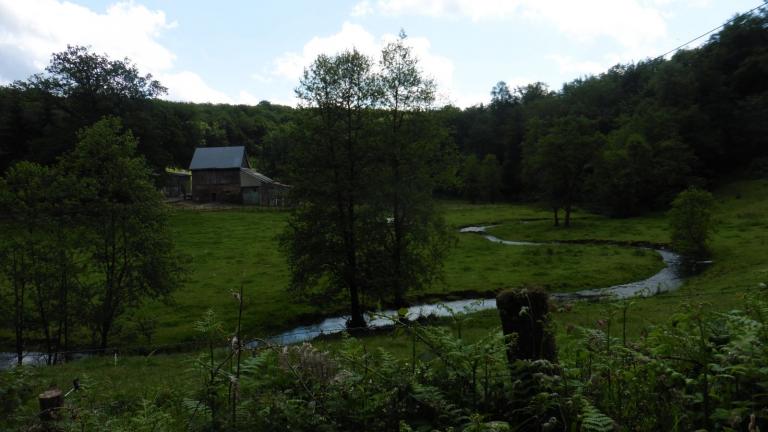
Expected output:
(261, 78)
(190, 87)
(573, 67)
(474, 9)
(291, 65)
(41, 27)
(31, 30)
(629, 22)
(362, 9)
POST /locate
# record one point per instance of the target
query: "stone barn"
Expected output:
(224, 174)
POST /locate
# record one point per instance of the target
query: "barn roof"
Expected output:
(256, 175)
(218, 158)
(250, 178)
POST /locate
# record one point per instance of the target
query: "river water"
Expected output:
(668, 279)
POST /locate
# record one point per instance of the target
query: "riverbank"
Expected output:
(239, 246)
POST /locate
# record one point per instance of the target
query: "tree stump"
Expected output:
(525, 314)
(50, 402)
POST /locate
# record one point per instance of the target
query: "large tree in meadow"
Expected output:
(329, 239)
(414, 156)
(367, 158)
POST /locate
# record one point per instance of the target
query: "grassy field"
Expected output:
(239, 246)
(739, 265)
(232, 247)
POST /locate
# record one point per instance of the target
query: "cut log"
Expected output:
(50, 402)
(525, 316)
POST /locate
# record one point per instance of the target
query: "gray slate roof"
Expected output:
(218, 158)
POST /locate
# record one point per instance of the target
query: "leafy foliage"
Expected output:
(364, 172)
(692, 223)
(87, 241)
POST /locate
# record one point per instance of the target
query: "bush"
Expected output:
(691, 223)
(15, 389)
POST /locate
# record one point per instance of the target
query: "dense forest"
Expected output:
(621, 143)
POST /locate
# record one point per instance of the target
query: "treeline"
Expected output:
(41, 116)
(623, 142)
(627, 140)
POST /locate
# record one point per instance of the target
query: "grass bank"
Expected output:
(240, 246)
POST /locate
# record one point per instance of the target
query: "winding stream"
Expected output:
(668, 279)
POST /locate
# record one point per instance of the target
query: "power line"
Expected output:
(711, 31)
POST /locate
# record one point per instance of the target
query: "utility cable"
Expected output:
(711, 31)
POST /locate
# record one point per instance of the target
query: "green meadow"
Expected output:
(740, 264)
(232, 247)
(228, 248)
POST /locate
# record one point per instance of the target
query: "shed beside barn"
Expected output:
(224, 174)
(176, 183)
(261, 190)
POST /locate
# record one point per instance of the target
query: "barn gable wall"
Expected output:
(216, 185)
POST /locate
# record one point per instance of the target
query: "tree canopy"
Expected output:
(367, 161)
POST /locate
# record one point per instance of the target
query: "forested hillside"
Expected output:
(622, 142)
(39, 118)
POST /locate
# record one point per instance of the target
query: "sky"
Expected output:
(243, 52)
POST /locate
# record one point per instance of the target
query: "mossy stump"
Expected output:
(525, 314)
(51, 402)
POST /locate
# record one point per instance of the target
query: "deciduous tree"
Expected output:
(414, 150)
(331, 235)
(691, 223)
(130, 252)
(558, 161)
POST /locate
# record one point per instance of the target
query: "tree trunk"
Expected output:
(106, 324)
(398, 249)
(64, 318)
(356, 315)
(18, 322)
(525, 313)
(398, 283)
(555, 211)
(44, 321)
(50, 403)
(568, 215)
(19, 328)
